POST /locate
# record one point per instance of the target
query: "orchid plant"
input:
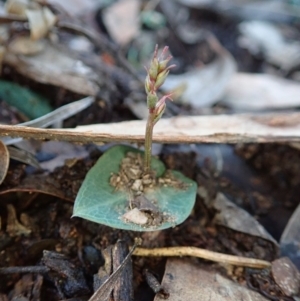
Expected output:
(129, 189)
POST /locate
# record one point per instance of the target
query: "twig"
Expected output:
(103, 292)
(204, 254)
(23, 270)
(240, 128)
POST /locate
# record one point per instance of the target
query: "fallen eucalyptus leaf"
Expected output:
(125, 15)
(23, 156)
(261, 91)
(55, 116)
(186, 280)
(206, 84)
(231, 216)
(4, 161)
(67, 72)
(278, 51)
(38, 184)
(100, 202)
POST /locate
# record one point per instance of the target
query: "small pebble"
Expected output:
(135, 216)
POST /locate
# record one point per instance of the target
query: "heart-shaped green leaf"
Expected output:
(99, 202)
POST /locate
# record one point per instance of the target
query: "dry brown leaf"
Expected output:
(40, 22)
(4, 161)
(14, 227)
(26, 46)
(39, 184)
(260, 92)
(67, 72)
(206, 84)
(277, 50)
(122, 20)
(231, 216)
(23, 156)
(185, 280)
(17, 7)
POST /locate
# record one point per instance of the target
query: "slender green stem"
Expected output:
(148, 142)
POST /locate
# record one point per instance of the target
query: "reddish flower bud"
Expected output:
(161, 106)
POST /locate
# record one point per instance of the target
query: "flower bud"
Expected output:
(160, 107)
(148, 84)
(161, 77)
(152, 100)
(159, 113)
(153, 69)
(162, 65)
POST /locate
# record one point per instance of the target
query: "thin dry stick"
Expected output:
(204, 254)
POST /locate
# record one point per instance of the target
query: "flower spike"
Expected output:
(156, 76)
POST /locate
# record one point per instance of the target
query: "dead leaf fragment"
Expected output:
(67, 72)
(54, 117)
(122, 20)
(184, 280)
(26, 46)
(23, 156)
(235, 218)
(40, 22)
(23, 288)
(40, 184)
(14, 228)
(276, 49)
(17, 7)
(4, 161)
(260, 92)
(206, 84)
